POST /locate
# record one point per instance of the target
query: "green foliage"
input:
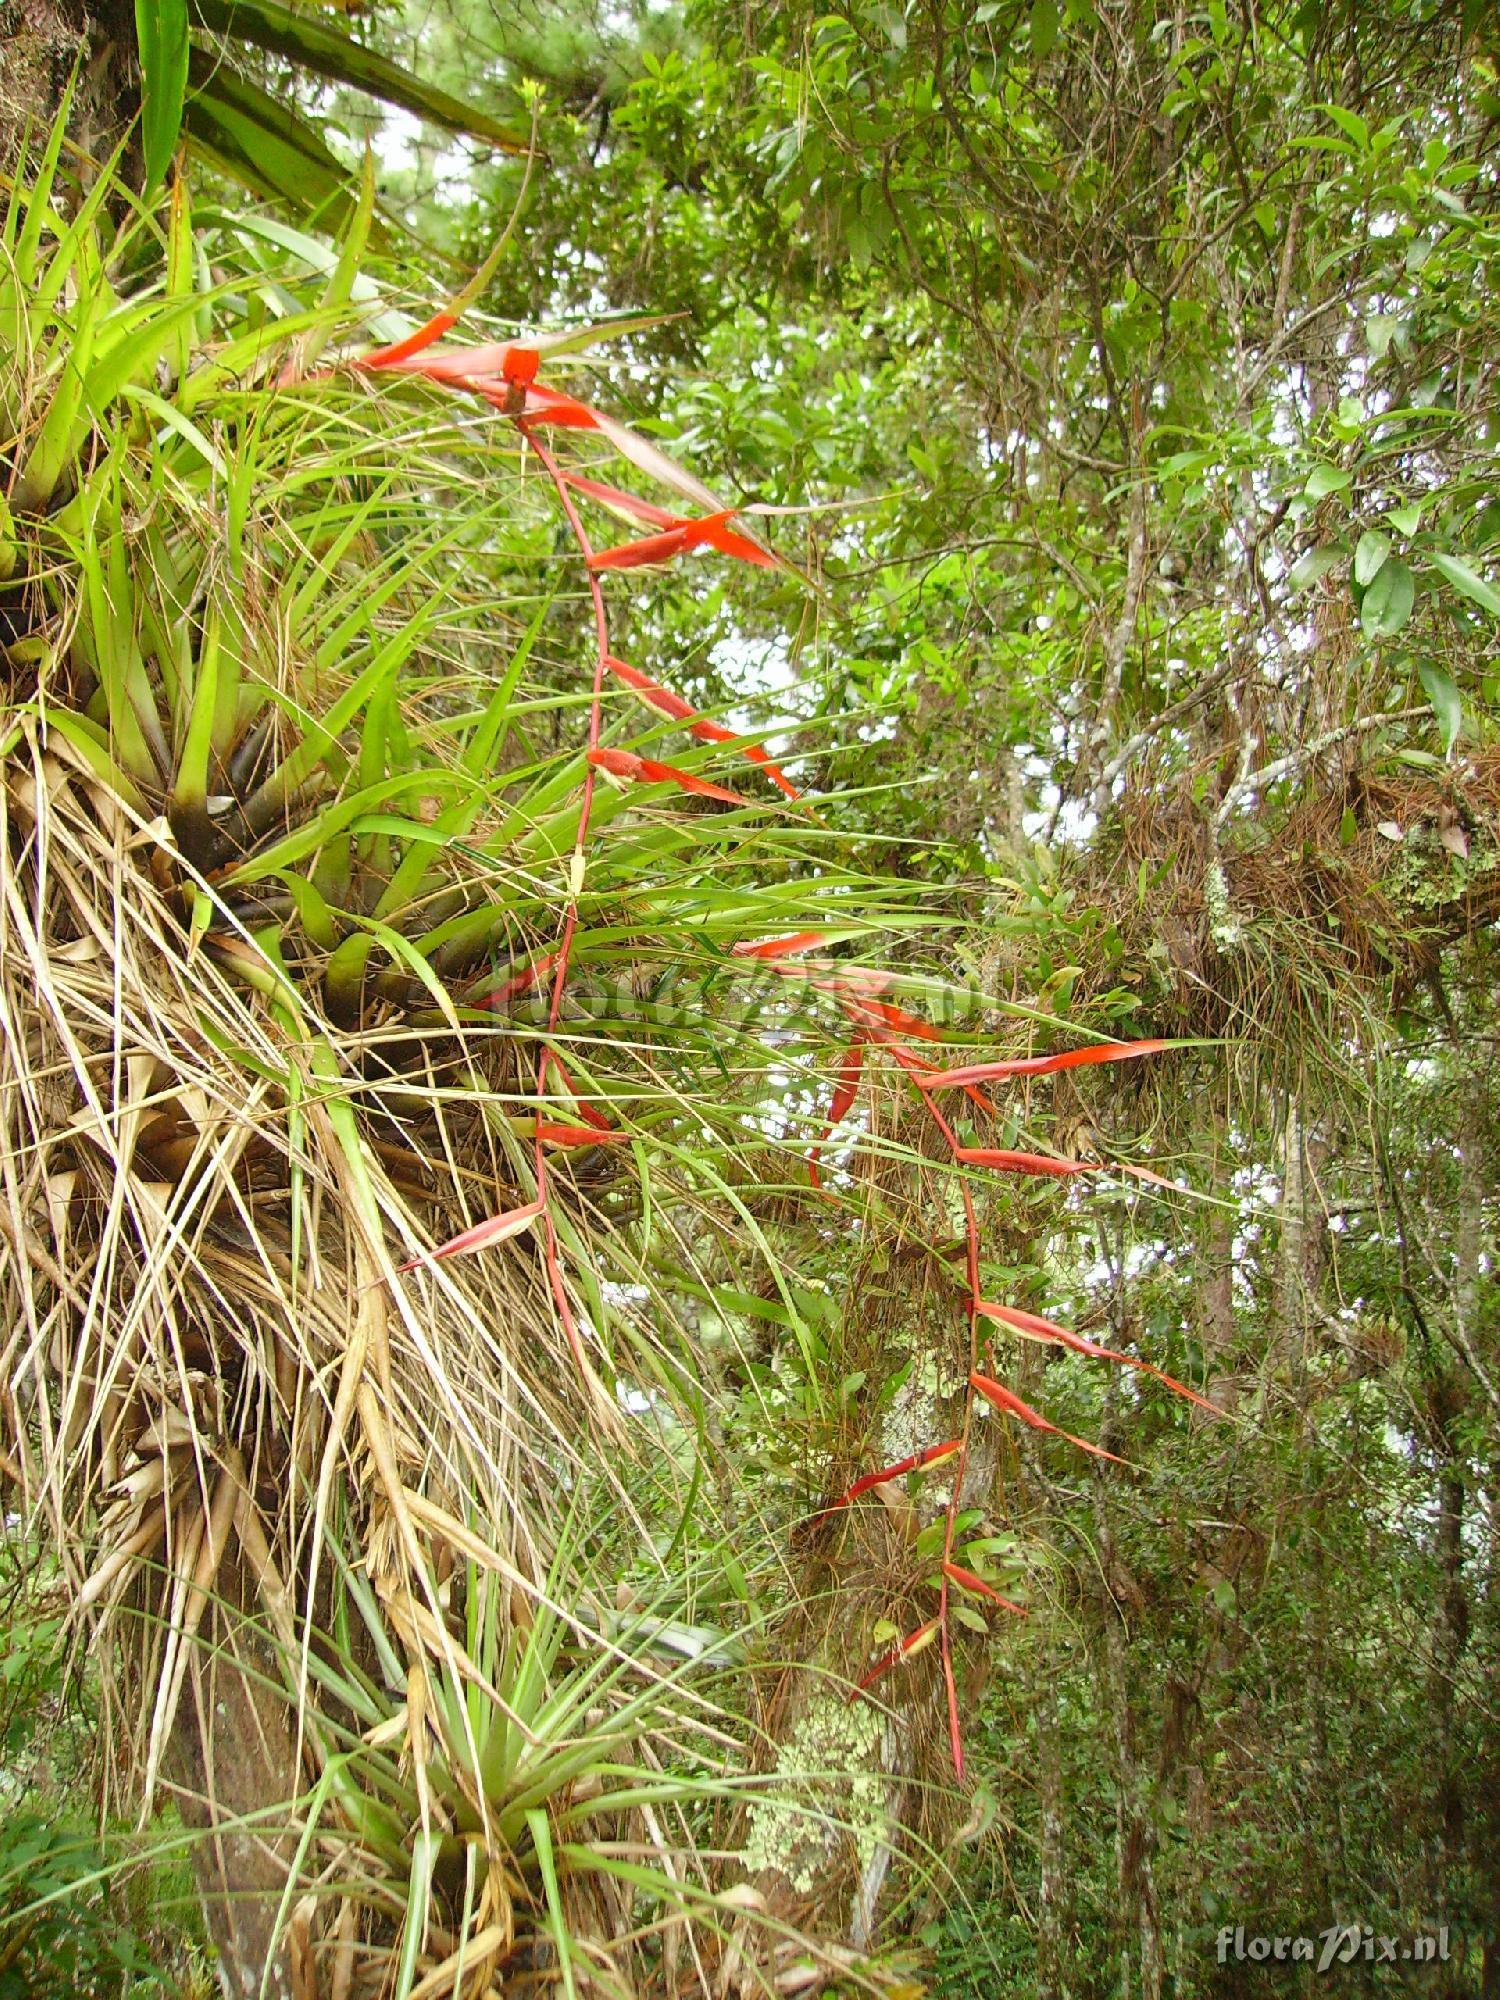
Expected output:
(205, 90)
(1146, 370)
(395, 961)
(75, 1916)
(161, 32)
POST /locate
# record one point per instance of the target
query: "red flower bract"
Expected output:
(1009, 1404)
(645, 770)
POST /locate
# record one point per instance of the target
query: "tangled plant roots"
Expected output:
(1364, 882)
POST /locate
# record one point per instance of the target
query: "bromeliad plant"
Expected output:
(341, 1141)
(295, 838)
(290, 827)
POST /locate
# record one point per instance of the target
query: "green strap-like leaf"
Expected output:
(247, 135)
(308, 42)
(541, 1840)
(161, 30)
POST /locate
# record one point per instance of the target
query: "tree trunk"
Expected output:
(1449, 1641)
(1303, 1251)
(41, 41)
(1135, 1838)
(1489, 1785)
(231, 1760)
(1448, 1398)
(234, 1768)
(1213, 1316)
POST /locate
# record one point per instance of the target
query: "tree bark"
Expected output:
(1135, 1838)
(1303, 1253)
(1448, 1397)
(233, 1766)
(1213, 1310)
(41, 41)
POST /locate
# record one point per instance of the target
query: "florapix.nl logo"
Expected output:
(1335, 1944)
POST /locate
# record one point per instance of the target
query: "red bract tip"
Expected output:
(754, 753)
(645, 770)
(551, 406)
(1009, 1404)
(689, 782)
(615, 497)
(967, 1580)
(1031, 1326)
(1022, 1163)
(466, 367)
(412, 343)
(843, 1102)
(955, 1736)
(518, 983)
(884, 1016)
(585, 1111)
(650, 549)
(665, 702)
(650, 691)
(779, 947)
(993, 1072)
(577, 1135)
(904, 1649)
(498, 1229)
(709, 531)
(1045, 1163)
(919, 1461)
(921, 1068)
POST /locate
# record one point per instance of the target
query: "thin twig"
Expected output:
(1250, 782)
(1158, 723)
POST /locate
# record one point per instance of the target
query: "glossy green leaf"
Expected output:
(1349, 123)
(1326, 479)
(1406, 519)
(306, 40)
(1467, 581)
(1387, 604)
(254, 139)
(1315, 563)
(1379, 330)
(1442, 692)
(1370, 552)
